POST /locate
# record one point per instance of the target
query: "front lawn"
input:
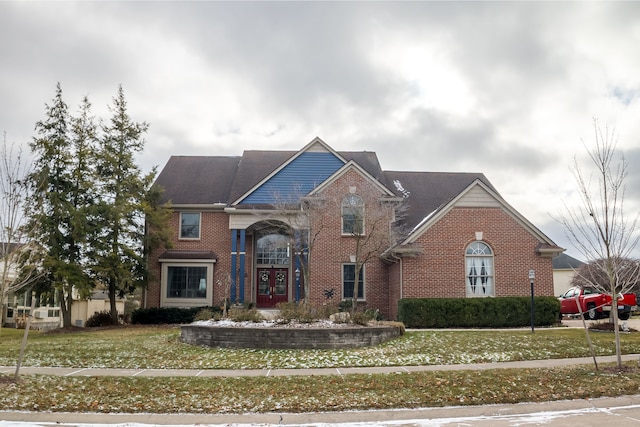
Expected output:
(160, 347)
(311, 394)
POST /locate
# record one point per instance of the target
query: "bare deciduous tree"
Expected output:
(13, 169)
(368, 217)
(599, 228)
(302, 219)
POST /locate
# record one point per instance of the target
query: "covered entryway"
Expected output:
(273, 267)
(273, 287)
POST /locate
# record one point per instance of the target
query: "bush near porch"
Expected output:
(167, 315)
(501, 312)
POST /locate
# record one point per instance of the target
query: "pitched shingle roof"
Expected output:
(566, 262)
(198, 179)
(193, 180)
(220, 179)
(425, 192)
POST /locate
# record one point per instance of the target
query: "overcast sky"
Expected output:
(506, 89)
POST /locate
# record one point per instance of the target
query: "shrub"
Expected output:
(204, 314)
(345, 305)
(100, 318)
(325, 310)
(245, 315)
(477, 312)
(374, 314)
(299, 312)
(361, 318)
(166, 315)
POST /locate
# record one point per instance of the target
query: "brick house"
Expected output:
(252, 228)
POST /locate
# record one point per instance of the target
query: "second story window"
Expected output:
(190, 225)
(352, 215)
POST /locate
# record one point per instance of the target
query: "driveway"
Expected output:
(633, 322)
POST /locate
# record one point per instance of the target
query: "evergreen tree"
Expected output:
(83, 194)
(56, 213)
(120, 262)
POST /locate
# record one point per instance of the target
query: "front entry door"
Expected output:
(273, 287)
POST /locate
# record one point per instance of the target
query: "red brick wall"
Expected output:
(332, 249)
(214, 236)
(440, 270)
(394, 277)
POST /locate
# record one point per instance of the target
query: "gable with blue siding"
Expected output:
(297, 179)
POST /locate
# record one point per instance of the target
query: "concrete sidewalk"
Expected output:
(623, 411)
(116, 372)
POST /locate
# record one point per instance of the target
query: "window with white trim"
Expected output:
(479, 270)
(349, 279)
(190, 225)
(187, 282)
(273, 249)
(352, 215)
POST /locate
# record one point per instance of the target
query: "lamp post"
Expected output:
(297, 284)
(532, 276)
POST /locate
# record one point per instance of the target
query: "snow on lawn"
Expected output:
(161, 349)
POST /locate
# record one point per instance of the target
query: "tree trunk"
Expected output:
(25, 336)
(113, 309)
(66, 299)
(616, 329)
(586, 331)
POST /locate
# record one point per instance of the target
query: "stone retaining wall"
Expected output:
(288, 338)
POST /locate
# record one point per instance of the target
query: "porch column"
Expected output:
(299, 261)
(242, 254)
(234, 260)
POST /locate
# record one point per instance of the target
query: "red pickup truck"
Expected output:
(595, 305)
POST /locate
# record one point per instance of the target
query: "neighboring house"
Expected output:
(6, 277)
(564, 268)
(47, 314)
(16, 306)
(462, 240)
(83, 308)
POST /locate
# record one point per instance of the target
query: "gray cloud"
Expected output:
(503, 88)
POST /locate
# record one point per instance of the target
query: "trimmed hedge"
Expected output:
(166, 315)
(502, 312)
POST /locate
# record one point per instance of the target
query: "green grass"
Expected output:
(157, 347)
(160, 347)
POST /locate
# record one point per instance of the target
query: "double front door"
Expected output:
(273, 286)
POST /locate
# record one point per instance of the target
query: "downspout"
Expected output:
(401, 284)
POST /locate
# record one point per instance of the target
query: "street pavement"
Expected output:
(623, 411)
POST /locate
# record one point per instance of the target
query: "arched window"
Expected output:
(272, 249)
(352, 215)
(479, 270)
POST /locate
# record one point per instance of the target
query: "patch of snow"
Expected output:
(226, 323)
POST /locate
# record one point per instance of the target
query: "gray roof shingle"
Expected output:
(193, 180)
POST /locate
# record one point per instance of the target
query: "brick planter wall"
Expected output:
(288, 338)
